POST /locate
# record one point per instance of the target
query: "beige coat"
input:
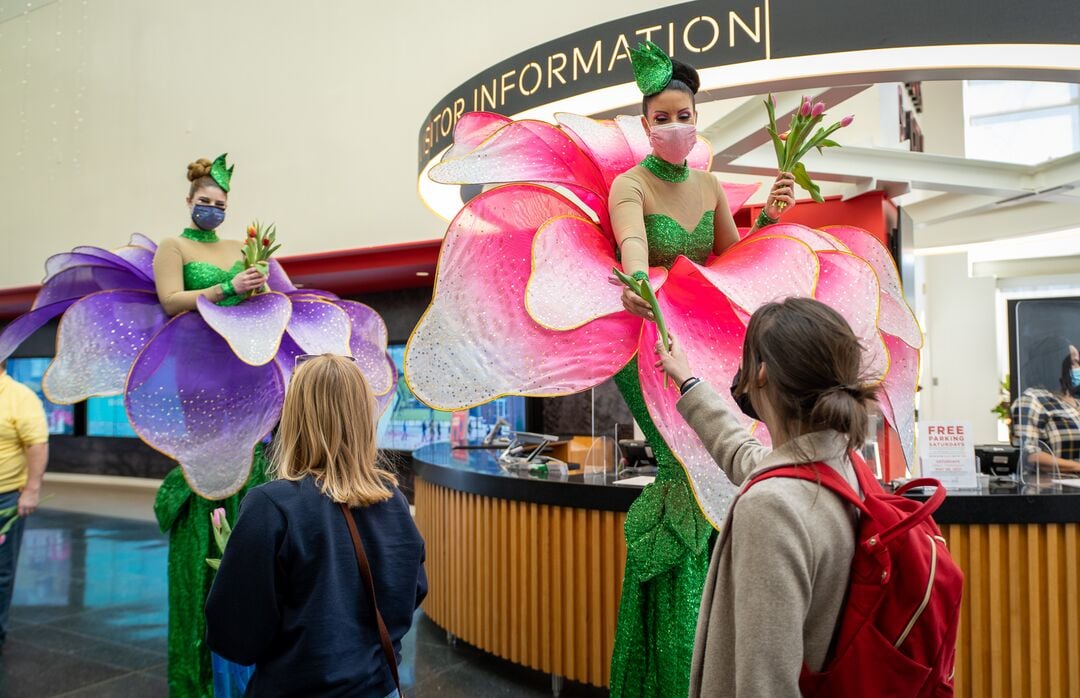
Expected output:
(780, 569)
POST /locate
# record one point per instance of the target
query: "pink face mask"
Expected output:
(673, 142)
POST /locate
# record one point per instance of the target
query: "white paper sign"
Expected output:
(948, 454)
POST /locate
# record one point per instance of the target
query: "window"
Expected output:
(1021, 122)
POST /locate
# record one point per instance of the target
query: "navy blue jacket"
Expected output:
(289, 597)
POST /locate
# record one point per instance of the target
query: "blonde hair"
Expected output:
(198, 173)
(327, 431)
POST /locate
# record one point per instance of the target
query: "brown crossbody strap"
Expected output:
(369, 582)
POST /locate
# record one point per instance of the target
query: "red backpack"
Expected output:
(896, 635)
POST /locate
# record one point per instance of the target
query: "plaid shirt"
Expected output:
(1040, 415)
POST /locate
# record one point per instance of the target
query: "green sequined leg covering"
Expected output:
(186, 517)
(667, 561)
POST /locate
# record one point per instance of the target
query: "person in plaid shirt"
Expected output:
(1053, 418)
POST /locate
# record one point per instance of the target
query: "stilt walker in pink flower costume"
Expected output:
(202, 349)
(536, 253)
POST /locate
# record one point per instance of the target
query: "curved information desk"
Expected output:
(530, 570)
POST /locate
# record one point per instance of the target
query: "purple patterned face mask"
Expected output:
(207, 217)
(673, 142)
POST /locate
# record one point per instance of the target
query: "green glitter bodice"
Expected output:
(668, 239)
(200, 275)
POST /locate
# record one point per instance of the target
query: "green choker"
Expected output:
(665, 170)
(199, 235)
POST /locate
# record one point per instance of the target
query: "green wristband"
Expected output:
(764, 219)
(227, 289)
(640, 275)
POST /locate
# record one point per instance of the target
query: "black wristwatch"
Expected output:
(687, 384)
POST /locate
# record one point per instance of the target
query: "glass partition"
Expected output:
(1045, 369)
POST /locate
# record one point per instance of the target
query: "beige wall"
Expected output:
(104, 102)
(942, 119)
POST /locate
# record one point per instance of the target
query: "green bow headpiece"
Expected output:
(652, 68)
(220, 173)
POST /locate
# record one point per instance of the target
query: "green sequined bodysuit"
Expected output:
(667, 537)
(200, 275)
(185, 516)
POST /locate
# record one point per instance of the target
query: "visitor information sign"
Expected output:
(947, 453)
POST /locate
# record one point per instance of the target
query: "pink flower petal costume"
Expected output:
(523, 306)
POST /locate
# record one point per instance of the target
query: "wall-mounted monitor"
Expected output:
(105, 416)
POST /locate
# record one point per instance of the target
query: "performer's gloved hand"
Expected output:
(636, 305)
(674, 361)
(782, 196)
(632, 302)
(247, 281)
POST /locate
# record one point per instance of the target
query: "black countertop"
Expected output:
(478, 472)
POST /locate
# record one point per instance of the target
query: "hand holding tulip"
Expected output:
(673, 361)
(640, 288)
(247, 281)
(258, 247)
(632, 301)
(782, 195)
(639, 299)
(19, 511)
(636, 305)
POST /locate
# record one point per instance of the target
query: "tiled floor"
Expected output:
(89, 619)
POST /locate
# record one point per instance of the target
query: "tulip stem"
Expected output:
(644, 289)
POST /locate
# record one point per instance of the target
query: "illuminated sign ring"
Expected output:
(742, 47)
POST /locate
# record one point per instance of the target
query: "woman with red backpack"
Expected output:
(795, 555)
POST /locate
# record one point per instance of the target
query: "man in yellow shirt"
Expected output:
(24, 451)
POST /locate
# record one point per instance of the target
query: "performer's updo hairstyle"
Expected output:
(818, 386)
(684, 78)
(198, 173)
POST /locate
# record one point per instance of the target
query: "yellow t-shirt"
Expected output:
(22, 424)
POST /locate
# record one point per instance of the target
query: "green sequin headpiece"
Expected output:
(220, 173)
(652, 68)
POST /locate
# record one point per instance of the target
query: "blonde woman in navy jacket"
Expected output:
(289, 597)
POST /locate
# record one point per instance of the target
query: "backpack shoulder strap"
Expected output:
(820, 473)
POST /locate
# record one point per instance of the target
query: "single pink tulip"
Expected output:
(818, 109)
(784, 135)
(773, 100)
(3, 538)
(805, 108)
(217, 517)
(846, 121)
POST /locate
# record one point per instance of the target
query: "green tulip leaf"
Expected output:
(778, 146)
(804, 181)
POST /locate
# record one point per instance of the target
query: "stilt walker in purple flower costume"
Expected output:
(202, 349)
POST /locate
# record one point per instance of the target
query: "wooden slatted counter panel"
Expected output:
(1020, 621)
(537, 585)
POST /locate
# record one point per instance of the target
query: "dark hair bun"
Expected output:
(198, 169)
(686, 75)
(843, 410)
